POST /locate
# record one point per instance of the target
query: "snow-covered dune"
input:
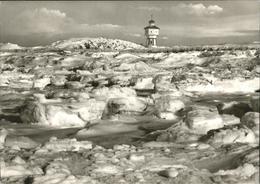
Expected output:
(9, 46)
(96, 43)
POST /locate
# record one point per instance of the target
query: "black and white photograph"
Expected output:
(129, 92)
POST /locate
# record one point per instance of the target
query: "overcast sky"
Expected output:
(180, 22)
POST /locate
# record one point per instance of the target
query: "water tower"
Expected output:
(151, 33)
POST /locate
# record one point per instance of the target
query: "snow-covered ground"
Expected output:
(98, 110)
(95, 43)
(9, 46)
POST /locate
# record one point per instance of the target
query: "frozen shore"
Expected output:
(110, 111)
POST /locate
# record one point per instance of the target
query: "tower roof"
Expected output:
(151, 24)
(151, 27)
(151, 21)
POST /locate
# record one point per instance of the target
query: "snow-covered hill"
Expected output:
(9, 46)
(96, 43)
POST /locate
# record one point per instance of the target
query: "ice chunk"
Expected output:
(201, 121)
